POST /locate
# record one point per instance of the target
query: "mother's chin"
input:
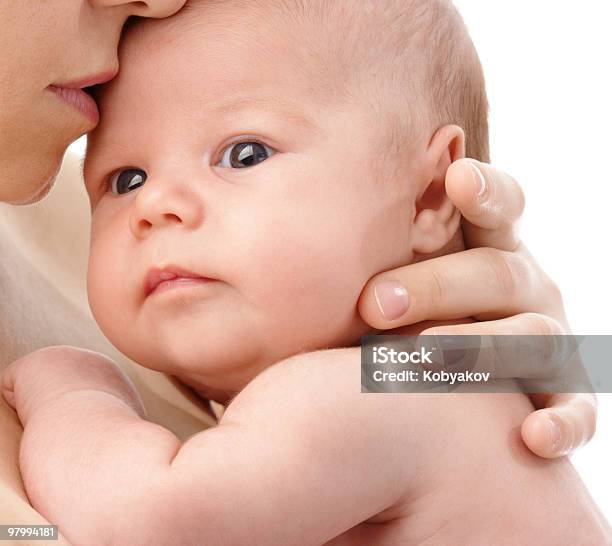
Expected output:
(33, 142)
(27, 174)
(30, 183)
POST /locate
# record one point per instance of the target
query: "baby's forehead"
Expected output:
(213, 43)
(209, 54)
(192, 70)
(313, 51)
(272, 31)
(215, 23)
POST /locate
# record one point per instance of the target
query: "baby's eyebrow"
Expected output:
(102, 149)
(287, 110)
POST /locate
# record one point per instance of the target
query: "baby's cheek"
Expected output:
(98, 291)
(309, 289)
(106, 288)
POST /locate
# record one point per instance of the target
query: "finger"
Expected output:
(482, 282)
(420, 327)
(563, 427)
(526, 346)
(490, 201)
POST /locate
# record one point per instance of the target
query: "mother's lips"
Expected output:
(88, 81)
(157, 276)
(77, 93)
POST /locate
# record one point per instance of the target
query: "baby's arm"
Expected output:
(35, 386)
(299, 457)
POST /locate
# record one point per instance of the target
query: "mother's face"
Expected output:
(46, 45)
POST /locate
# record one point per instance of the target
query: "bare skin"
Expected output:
(230, 485)
(164, 401)
(336, 456)
(44, 248)
(66, 44)
(50, 308)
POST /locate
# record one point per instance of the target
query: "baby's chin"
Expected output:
(223, 371)
(206, 392)
(217, 361)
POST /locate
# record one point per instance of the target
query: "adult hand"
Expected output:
(499, 284)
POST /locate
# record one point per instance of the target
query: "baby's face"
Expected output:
(214, 164)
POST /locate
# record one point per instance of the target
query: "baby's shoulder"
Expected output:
(321, 391)
(306, 380)
(303, 391)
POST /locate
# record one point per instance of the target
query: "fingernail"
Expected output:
(392, 299)
(479, 180)
(554, 432)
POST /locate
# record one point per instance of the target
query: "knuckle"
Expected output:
(579, 421)
(589, 405)
(493, 358)
(550, 346)
(509, 270)
(521, 269)
(543, 325)
(438, 287)
(591, 422)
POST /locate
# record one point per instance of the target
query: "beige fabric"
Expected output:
(43, 258)
(217, 409)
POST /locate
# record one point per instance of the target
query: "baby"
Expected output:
(256, 163)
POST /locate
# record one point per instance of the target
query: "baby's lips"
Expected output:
(156, 275)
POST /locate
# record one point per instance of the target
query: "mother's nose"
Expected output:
(160, 204)
(144, 8)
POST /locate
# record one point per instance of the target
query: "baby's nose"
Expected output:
(162, 205)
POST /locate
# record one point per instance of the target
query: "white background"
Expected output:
(548, 68)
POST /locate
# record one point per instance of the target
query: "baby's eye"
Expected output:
(127, 180)
(245, 154)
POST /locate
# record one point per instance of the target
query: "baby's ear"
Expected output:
(437, 220)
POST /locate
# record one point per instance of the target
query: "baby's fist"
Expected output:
(37, 379)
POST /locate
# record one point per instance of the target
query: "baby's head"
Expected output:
(284, 152)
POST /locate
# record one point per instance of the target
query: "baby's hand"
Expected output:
(42, 377)
(67, 400)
